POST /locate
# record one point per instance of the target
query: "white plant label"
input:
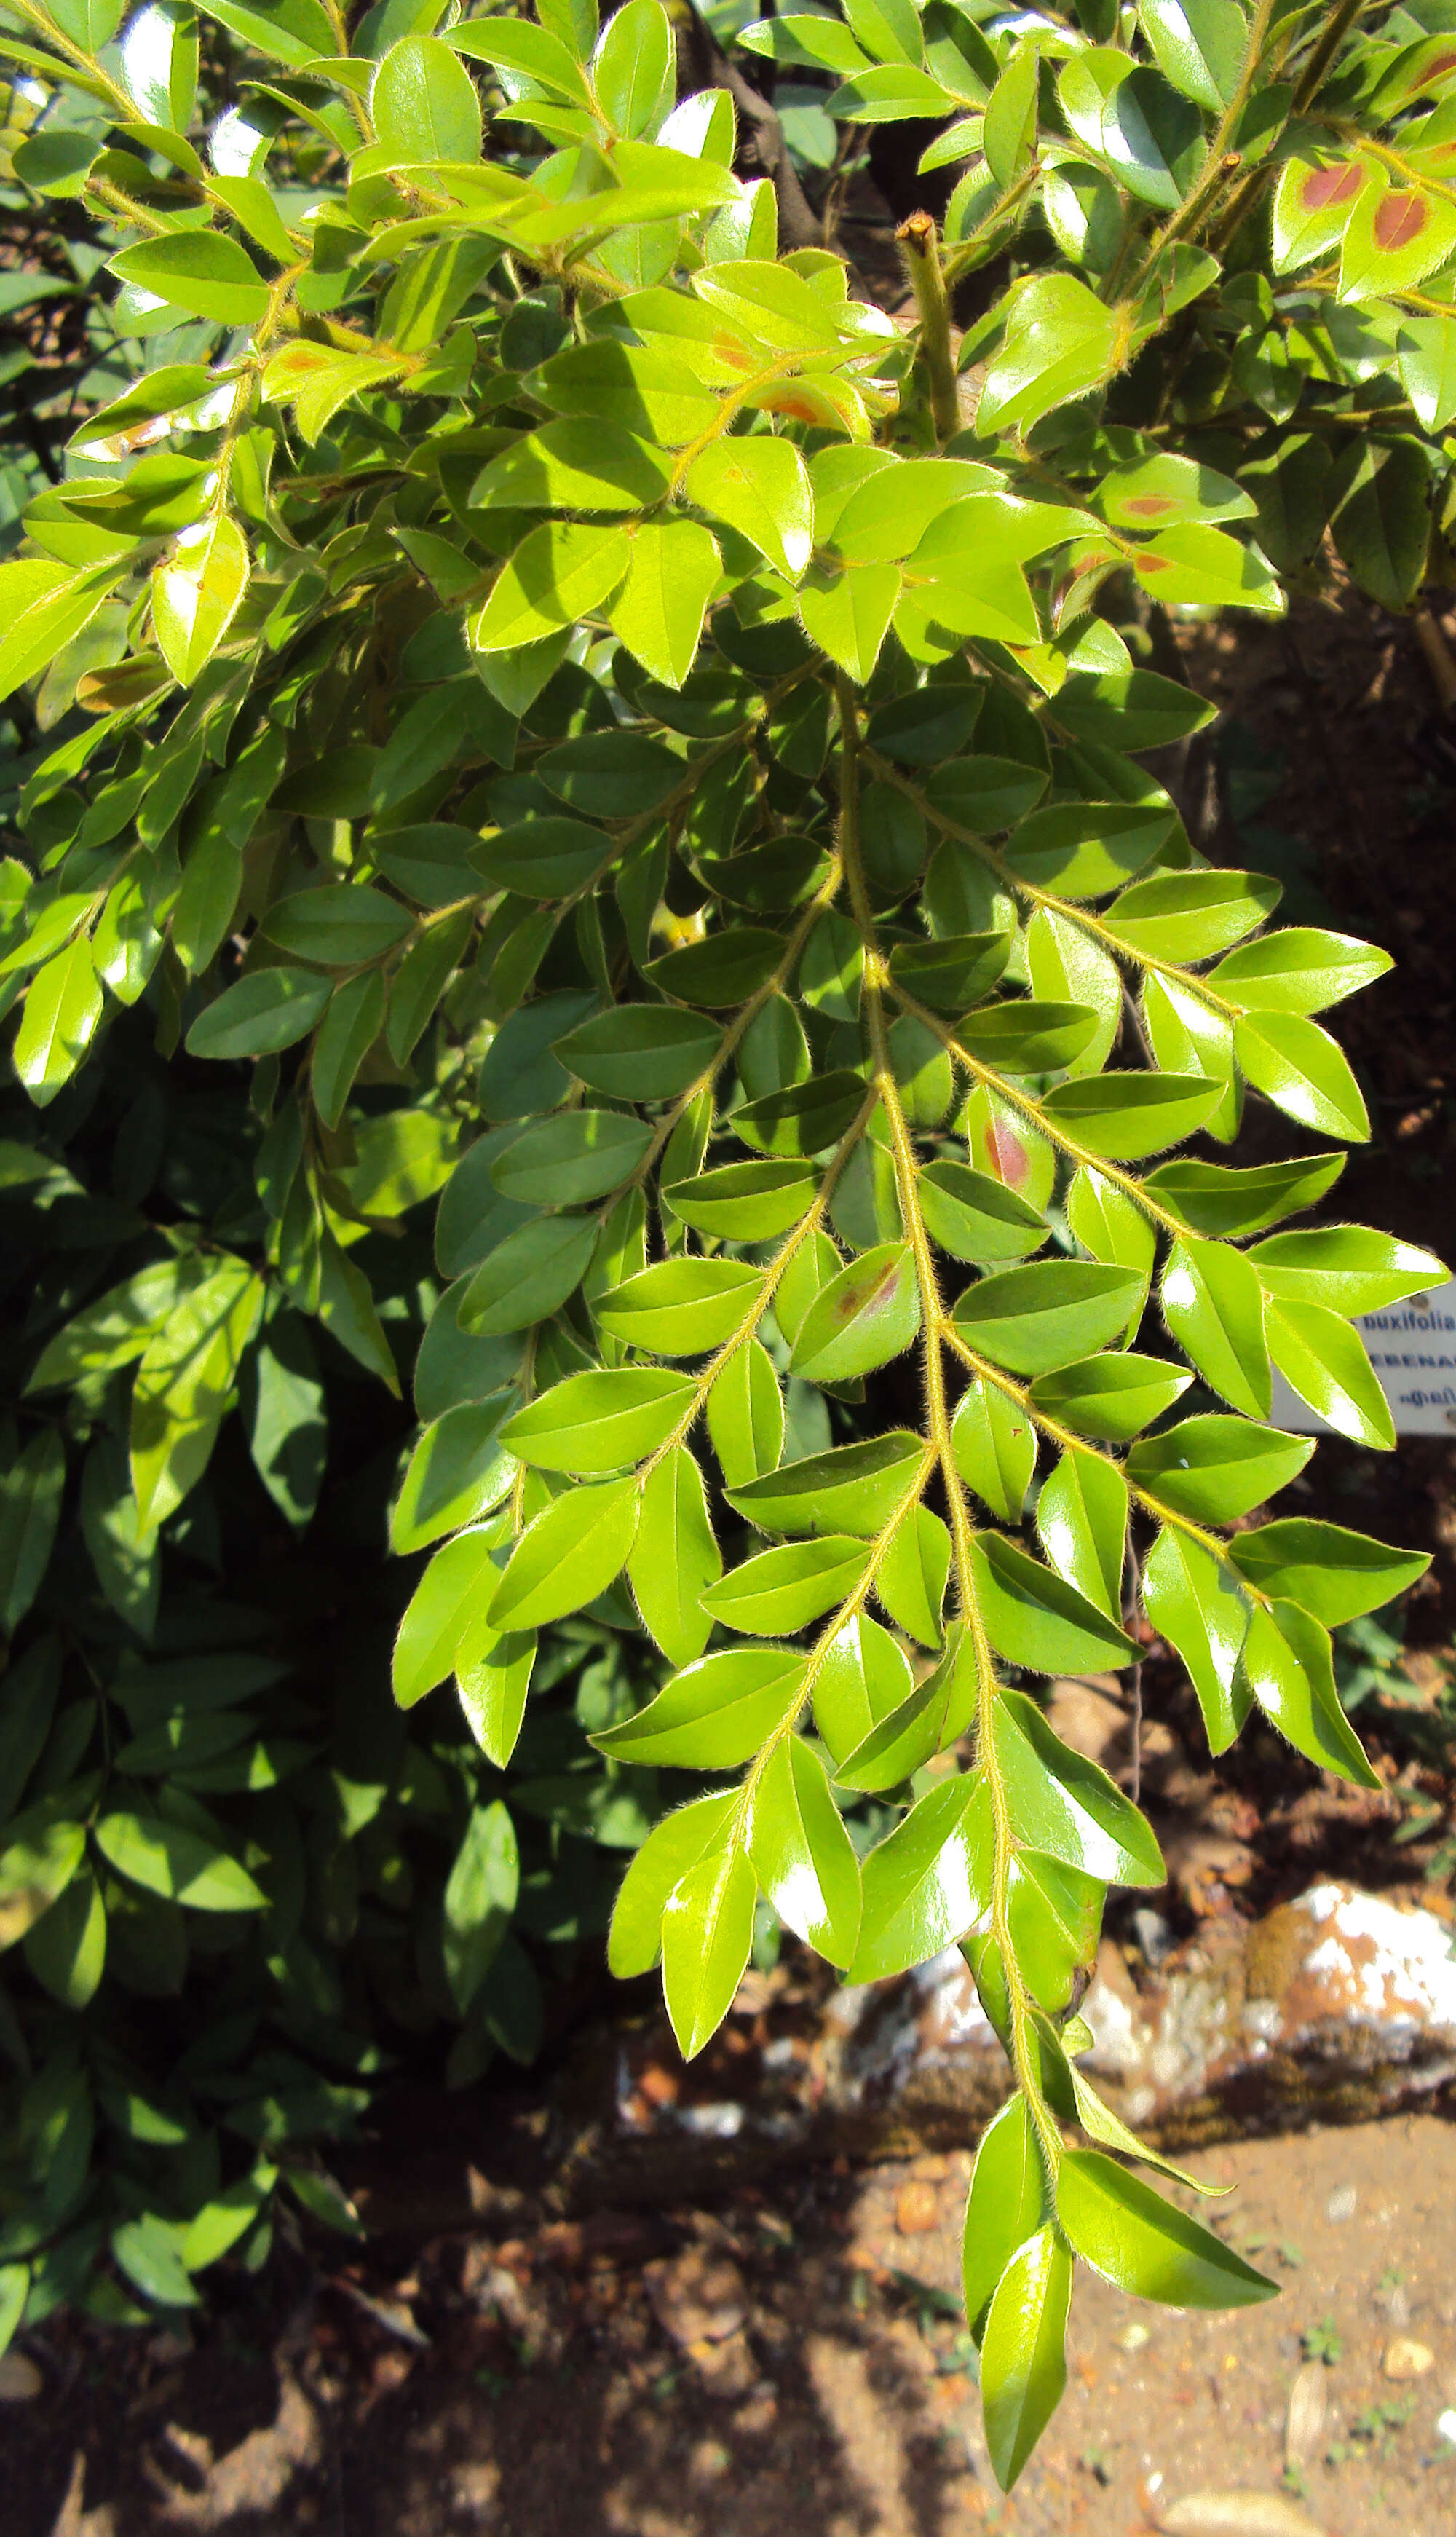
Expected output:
(1413, 1348)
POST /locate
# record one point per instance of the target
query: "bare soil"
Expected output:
(788, 2363)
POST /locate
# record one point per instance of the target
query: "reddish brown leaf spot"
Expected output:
(1438, 70)
(1326, 185)
(1398, 221)
(736, 355)
(1147, 564)
(1149, 506)
(798, 407)
(1006, 1155)
(866, 1299)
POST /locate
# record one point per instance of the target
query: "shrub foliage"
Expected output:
(531, 700)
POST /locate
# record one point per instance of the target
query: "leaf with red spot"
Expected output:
(1419, 73)
(1394, 239)
(867, 1315)
(1311, 206)
(1164, 491)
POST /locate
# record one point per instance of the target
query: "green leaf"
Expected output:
(206, 273)
(1344, 1267)
(864, 1678)
(493, 1690)
(479, 1901)
(760, 488)
(852, 1488)
(611, 774)
(458, 1473)
(340, 926)
(593, 1423)
(785, 1589)
(1063, 1804)
(650, 387)
(1380, 515)
(574, 465)
(1038, 1319)
(672, 573)
(1123, 1115)
(806, 1119)
(424, 102)
(994, 1444)
(1330, 1572)
(149, 2252)
(1081, 849)
(62, 1011)
(1082, 1519)
(1214, 1469)
(912, 1573)
(1202, 567)
(1302, 1072)
(1010, 132)
(724, 970)
(675, 1557)
(1211, 1198)
(713, 1714)
(1285, 1662)
(184, 1386)
(1188, 915)
(527, 1276)
(1008, 2203)
(260, 1015)
(928, 1882)
(568, 1160)
(1028, 1037)
(1200, 45)
(640, 1051)
(567, 1556)
(707, 1924)
(31, 1490)
(123, 1552)
(43, 606)
(1325, 1361)
(744, 1202)
(166, 1859)
(672, 1848)
(1299, 970)
(1214, 1306)
(352, 1023)
(1023, 2368)
(681, 1307)
(866, 1315)
(198, 590)
(800, 1853)
(975, 1217)
(745, 1416)
(447, 1622)
(41, 1854)
(1144, 2245)
(1110, 1397)
(1193, 1598)
(562, 572)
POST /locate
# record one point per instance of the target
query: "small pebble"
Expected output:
(916, 2208)
(20, 2380)
(1407, 2358)
(1342, 2203)
(1446, 2424)
(1133, 2338)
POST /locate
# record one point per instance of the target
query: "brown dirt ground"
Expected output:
(820, 2388)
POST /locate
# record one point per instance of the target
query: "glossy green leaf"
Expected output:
(928, 1882)
(1023, 2369)
(635, 1940)
(800, 1853)
(1064, 1805)
(166, 1859)
(994, 1444)
(852, 1488)
(594, 1423)
(1145, 2245)
(567, 1556)
(1332, 1573)
(707, 1933)
(866, 1315)
(1008, 2202)
(447, 1620)
(675, 1557)
(1110, 1397)
(1038, 1319)
(713, 1714)
(1213, 1304)
(1216, 1469)
(1286, 1664)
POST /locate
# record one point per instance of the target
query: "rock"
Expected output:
(1339, 2006)
(20, 2380)
(1306, 2415)
(697, 2296)
(917, 2209)
(1236, 2515)
(1343, 2203)
(1153, 1935)
(1406, 2359)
